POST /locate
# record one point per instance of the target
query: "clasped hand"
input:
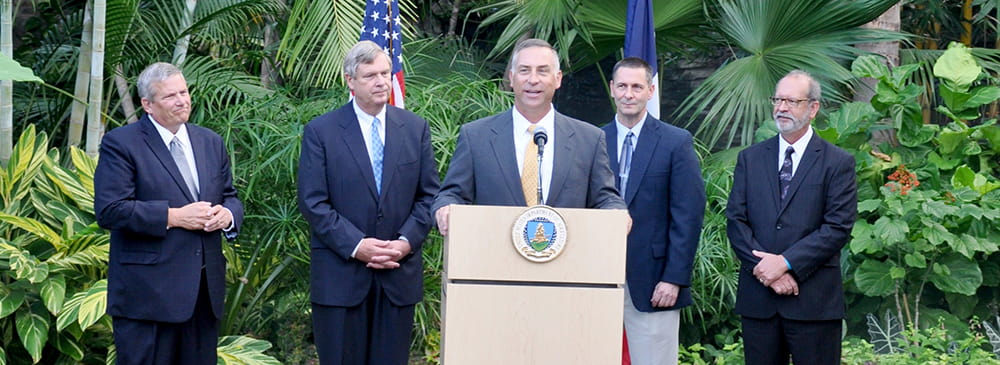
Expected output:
(772, 271)
(380, 254)
(199, 216)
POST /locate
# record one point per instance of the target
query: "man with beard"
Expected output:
(791, 209)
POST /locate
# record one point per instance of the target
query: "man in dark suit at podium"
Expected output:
(367, 203)
(495, 161)
(791, 210)
(164, 189)
(660, 180)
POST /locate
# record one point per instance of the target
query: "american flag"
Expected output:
(382, 26)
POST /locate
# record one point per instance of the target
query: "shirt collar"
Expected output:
(167, 135)
(365, 118)
(799, 146)
(623, 130)
(548, 121)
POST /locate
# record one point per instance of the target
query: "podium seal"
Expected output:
(539, 234)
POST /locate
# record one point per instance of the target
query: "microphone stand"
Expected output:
(541, 149)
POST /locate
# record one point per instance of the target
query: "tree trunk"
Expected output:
(180, 50)
(966, 37)
(453, 21)
(78, 110)
(6, 86)
(95, 123)
(268, 72)
(890, 53)
(126, 103)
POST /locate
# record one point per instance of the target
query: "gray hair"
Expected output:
(153, 74)
(529, 43)
(363, 52)
(815, 91)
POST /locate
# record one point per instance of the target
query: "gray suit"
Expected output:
(484, 169)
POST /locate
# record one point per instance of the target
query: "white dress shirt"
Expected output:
(185, 143)
(799, 146)
(365, 121)
(522, 138)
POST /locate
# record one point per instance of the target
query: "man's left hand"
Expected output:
(665, 295)
(221, 218)
(770, 267)
(399, 245)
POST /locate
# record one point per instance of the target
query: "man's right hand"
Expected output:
(377, 253)
(441, 216)
(785, 285)
(192, 216)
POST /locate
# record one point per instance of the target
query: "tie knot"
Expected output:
(531, 128)
(789, 151)
(629, 135)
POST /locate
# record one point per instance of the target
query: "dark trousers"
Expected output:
(376, 332)
(191, 342)
(771, 341)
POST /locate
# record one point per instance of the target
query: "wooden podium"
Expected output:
(500, 308)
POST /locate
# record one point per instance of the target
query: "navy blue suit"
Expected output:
(666, 199)
(155, 274)
(809, 227)
(338, 197)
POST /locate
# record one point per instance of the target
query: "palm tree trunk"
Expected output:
(95, 124)
(268, 72)
(126, 97)
(6, 86)
(78, 110)
(180, 50)
(453, 21)
(966, 37)
(888, 50)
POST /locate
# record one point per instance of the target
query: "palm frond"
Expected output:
(557, 21)
(317, 37)
(778, 36)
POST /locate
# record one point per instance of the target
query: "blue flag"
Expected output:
(640, 41)
(382, 26)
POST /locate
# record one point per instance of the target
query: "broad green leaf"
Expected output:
(891, 230)
(10, 302)
(874, 279)
(33, 329)
(3, 356)
(991, 273)
(885, 336)
(935, 233)
(70, 312)
(957, 65)
(948, 140)
(870, 66)
(938, 209)
(12, 70)
(915, 259)
(69, 346)
(94, 304)
(242, 350)
(982, 95)
(961, 306)
(943, 163)
(897, 273)
(964, 276)
(869, 205)
(34, 227)
(54, 293)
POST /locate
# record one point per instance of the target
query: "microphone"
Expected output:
(540, 138)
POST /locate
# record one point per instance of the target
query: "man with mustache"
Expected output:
(495, 163)
(164, 189)
(791, 209)
(660, 180)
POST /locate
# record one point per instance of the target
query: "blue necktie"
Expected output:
(377, 155)
(785, 174)
(624, 163)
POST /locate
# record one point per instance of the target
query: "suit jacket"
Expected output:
(338, 198)
(484, 170)
(666, 199)
(809, 227)
(154, 273)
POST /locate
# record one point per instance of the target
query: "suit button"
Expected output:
(778, 227)
(197, 252)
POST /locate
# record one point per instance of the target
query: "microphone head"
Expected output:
(540, 136)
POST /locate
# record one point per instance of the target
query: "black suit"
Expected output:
(337, 195)
(157, 274)
(809, 227)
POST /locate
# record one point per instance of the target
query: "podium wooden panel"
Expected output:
(499, 308)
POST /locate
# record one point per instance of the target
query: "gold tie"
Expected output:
(529, 171)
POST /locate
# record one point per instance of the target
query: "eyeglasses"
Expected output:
(791, 102)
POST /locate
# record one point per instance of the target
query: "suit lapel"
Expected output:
(502, 143)
(393, 126)
(155, 143)
(562, 156)
(611, 141)
(771, 154)
(199, 147)
(649, 136)
(813, 152)
(355, 143)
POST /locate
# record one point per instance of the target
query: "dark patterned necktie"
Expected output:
(785, 174)
(625, 163)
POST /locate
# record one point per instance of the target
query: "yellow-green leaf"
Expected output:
(33, 329)
(93, 305)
